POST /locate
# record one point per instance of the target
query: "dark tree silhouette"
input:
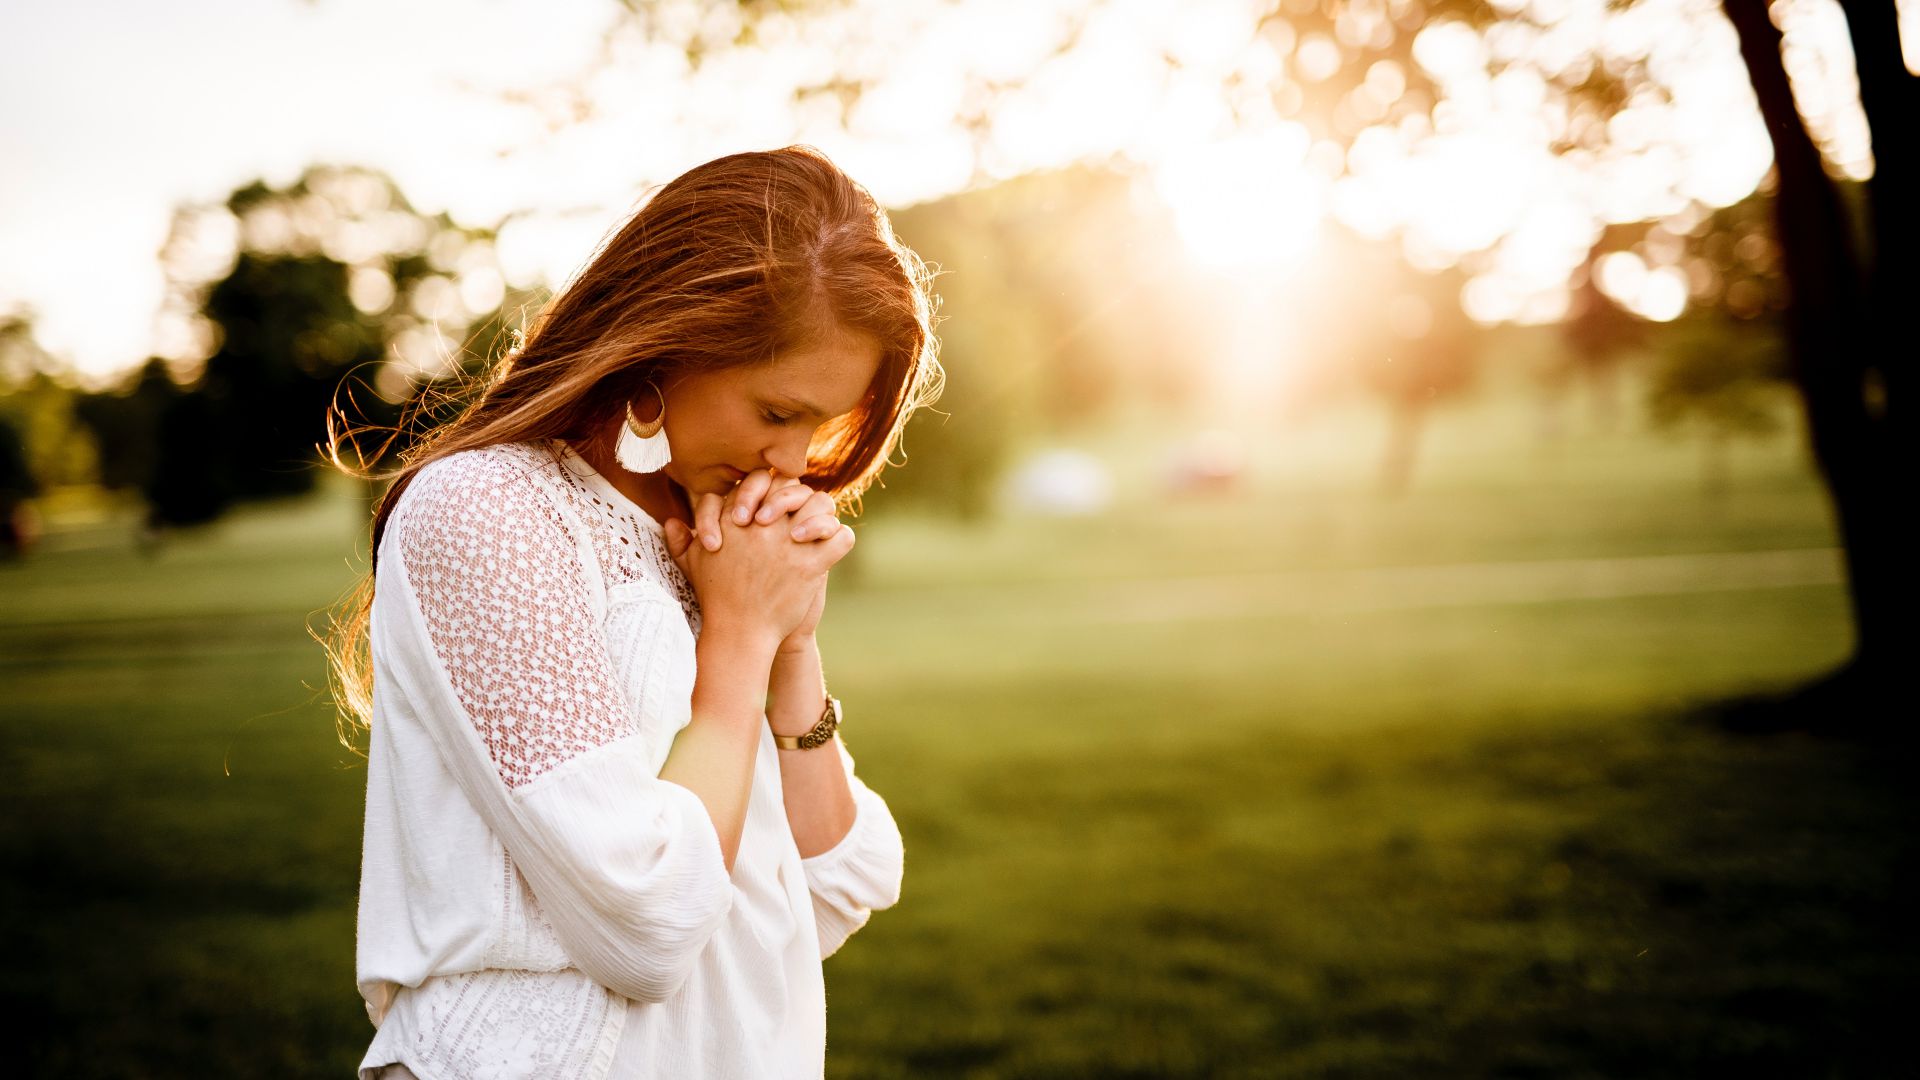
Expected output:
(126, 426)
(17, 484)
(1849, 339)
(292, 343)
(290, 333)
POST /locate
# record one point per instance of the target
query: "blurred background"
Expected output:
(1400, 579)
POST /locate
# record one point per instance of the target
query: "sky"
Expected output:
(116, 111)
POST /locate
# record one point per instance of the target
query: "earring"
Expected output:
(643, 447)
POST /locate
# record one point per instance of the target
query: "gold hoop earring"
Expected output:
(643, 447)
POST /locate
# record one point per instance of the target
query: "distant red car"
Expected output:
(1210, 461)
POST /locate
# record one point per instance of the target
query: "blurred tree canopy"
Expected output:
(41, 408)
(292, 298)
(1353, 65)
(1063, 302)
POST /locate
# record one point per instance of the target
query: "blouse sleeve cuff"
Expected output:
(863, 870)
(627, 866)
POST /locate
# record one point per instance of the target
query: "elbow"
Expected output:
(889, 894)
(836, 926)
(881, 867)
(653, 985)
(650, 961)
(879, 885)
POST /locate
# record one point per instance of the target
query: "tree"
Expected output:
(1420, 352)
(1848, 344)
(17, 485)
(1719, 374)
(126, 426)
(332, 277)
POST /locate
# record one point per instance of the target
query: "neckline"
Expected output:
(619, 500)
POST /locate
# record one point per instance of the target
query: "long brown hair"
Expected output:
(732, 263)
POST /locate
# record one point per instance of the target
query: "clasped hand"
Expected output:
(760, 563)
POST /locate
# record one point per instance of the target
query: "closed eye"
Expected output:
(776, 418)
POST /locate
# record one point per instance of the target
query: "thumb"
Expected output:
(679, 538)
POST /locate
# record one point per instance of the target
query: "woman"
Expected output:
(611, 827)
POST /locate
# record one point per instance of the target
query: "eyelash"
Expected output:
(775, 419)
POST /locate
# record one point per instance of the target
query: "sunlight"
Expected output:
(1245, 203)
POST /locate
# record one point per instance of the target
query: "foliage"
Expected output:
(1721, 374)
(38, 402)
(330, 280)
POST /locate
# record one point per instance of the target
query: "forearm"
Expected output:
(713, 755)
(819, 802)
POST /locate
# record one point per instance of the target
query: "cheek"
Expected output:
(713, 433)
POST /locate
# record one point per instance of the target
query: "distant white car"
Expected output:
(1059, 482)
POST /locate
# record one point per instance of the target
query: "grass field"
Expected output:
(1300, 782)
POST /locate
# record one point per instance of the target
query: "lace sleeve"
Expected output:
(500, 584)
(516, 682)
(862, 873)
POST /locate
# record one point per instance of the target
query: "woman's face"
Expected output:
(722, 425)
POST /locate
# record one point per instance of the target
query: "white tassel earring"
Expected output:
(643, 447)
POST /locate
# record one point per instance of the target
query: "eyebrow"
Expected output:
(796, 403)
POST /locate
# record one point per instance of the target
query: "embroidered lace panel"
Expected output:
(499, 1022)
(500, 582)
(629, 549)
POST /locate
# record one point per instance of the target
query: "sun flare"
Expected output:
(1246, 203)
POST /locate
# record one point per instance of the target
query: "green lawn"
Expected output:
(1301, 782)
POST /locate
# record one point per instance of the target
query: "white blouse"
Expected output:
(534, 899)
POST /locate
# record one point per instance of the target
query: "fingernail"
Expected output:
(740, 515)
(712, 540)
(765, 516)
(799, 533)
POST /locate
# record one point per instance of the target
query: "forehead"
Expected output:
(833, 373)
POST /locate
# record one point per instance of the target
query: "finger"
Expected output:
(706, 520)
(679, 537)
(746, 495)
(816, 527)
(783, 501)
(837, 544)
(819, 503)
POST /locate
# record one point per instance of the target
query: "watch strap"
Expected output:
(821, 731)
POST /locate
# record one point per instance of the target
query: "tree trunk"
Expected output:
(1828, 318)
(1890, 96)
(1404, 420)
(1716, 466)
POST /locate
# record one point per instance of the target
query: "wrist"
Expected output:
(824, 728)
(797, 644)
(742, 640)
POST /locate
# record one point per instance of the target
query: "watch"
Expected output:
(823, 729)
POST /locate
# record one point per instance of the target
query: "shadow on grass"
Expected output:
(1764, 884)
(1855, 702)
